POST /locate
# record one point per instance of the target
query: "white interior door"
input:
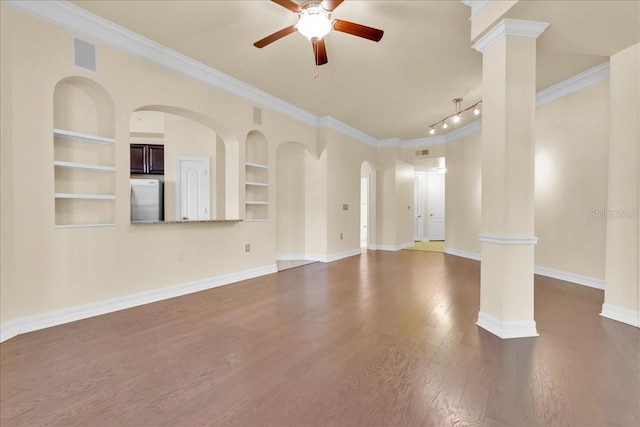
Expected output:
(417, 208)
(436, 206)
(193, 189)
(364, 212)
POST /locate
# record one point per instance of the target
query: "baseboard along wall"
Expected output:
(36, 322)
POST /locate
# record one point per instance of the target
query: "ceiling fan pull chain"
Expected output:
(316, 74)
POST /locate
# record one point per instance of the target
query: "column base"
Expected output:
(507, 330)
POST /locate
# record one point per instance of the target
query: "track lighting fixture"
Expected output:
(455, 117)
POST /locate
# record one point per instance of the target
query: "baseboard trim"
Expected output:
(393, 248)
(591, 282)
(333, 257)
(507, 330)
(36, 322)
(463, 254)
(291, 257)
(578, 279)
(621, 314)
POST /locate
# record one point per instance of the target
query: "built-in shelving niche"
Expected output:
(257, 178)
(83, 154)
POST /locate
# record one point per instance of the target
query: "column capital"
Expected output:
(510, 27)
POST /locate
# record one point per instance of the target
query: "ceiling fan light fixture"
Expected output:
(314, 23)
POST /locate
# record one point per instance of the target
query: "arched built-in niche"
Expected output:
(84, 154)
(291, 212)
(256, 177)
(184, 135)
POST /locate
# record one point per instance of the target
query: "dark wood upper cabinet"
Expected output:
(156, 159)
(138, 158)
(147, 159)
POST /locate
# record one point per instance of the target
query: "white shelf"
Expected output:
(67, 134)
(256, 165)
(256, 203)
(99, 224)
(84, 166)
(257, 184)
(85, 196)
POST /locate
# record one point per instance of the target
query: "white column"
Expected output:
(507, 238)
(621, 296)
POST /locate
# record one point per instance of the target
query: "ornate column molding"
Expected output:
(510, 27)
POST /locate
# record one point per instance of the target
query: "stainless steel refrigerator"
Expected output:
(146, 200)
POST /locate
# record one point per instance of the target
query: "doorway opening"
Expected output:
(366, 172)
(429, 202)
(436, 206)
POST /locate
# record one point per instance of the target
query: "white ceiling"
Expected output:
(390, 89)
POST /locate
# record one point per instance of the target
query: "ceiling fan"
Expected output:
(314, 22)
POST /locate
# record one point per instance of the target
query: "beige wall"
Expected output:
(8, 286)
(49, 268)
(404, 178)
(184, 137)
(622, 269)
(44, 268)
(290, 201)
(386, 202)
(345, 156)
(316, 179)
(463, 189)
(571, 181)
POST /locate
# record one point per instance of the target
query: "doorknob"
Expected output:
(184, 218)
(430, 214)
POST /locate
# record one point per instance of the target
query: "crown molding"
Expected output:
(332, 123)
(475, 5)
(424, 142)
(509, 27)
(80, 21)
(391, 142)
(588, 78)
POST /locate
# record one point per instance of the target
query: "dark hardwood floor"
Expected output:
(380, 339)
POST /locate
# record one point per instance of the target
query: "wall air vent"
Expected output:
(422, 152)
(257, 116)
(84, 54)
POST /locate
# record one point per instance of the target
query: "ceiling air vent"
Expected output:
(422, 152)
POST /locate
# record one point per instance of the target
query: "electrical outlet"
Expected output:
(180, 256)
(341, 236)
(247, 247)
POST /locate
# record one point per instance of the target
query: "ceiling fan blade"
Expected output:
(330, 5)
(319, 51)
(288, 4)
(275, 36)
(358, 30)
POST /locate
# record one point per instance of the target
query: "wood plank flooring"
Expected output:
(386, 338)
